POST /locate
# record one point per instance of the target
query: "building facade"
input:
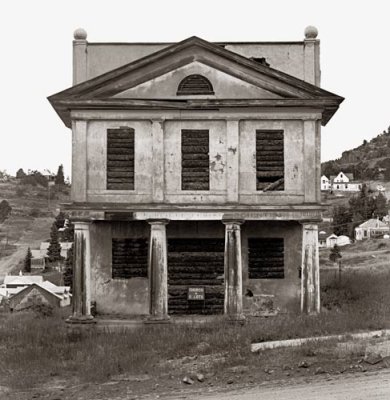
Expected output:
(344, 182)
(195, 176)
(373, 228)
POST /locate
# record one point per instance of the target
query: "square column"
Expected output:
(158, 271)
(310, 278)
(81, 296)
(233, 270)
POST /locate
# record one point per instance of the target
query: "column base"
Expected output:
(81, 319)
(236, 319)
(157, 320)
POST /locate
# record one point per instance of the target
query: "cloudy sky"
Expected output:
(36, 48)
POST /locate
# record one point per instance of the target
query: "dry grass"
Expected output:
(36, 348)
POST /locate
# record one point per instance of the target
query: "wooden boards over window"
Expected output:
(120, 159)
(194, 85)
(195, 173)
(266, 258)
(196, 264)
(129, 258)
(269, 160)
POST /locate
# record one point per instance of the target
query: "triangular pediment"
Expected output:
(157, 76)
(224, 85)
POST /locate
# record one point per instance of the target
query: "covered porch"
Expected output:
(195, 263)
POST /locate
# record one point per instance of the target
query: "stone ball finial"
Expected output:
(80, 34)
(311, 32)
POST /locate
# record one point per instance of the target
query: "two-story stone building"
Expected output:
(195, 176)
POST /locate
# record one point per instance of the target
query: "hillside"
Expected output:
(29, 222)
(369, 161)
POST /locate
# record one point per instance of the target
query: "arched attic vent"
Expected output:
(195, 84)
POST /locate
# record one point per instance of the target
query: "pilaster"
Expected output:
(158, 160)
(232, 160)
(79, 161)
(310, 160)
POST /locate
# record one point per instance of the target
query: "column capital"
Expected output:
(82, 225)
(310, 225)
(157, 222)
(233, 221)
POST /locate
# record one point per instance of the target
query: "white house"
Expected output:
(341, 240)
(345, 181)
(370, 229)
(16, 284)
(328, 241)
(325, 183)
(341, 182)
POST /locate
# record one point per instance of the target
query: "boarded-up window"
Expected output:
(129, 258)
(120, 159)
(194, 85)
(269, 160)
(195, 159)
(196, 263)
(266, 258)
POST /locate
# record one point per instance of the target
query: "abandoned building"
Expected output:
(195, 176)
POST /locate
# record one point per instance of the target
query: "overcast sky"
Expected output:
(36, 48)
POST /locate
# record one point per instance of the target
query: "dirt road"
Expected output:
(37, 231)
(375, 385)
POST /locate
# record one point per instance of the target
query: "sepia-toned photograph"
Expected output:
(194, 200)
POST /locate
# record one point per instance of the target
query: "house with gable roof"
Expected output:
(195, 176)
(371, 229)
(22, 291)
(344, 182)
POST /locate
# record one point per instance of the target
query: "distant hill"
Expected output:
(29, 221)
(369, 161)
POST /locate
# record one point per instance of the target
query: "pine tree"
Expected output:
(335, 254)
(5, 210)
(68, 235)
(381, 207)
(20, 173)
(60, 220)
(60, 176)
(54, 250)
(68, 273)
(27, 261)
(342, 218)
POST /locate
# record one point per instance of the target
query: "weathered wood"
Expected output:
(195, 262)
(195, 186)
(129, 258)
(120, 186)
(123, 165)
(197, 163)
(120, 153)
(273, 135)
(195, 155)
(120, 174)
(278, 185)
(187, 156)
(266, 258)
(269, 174)
(195, 84)
(269, 160)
